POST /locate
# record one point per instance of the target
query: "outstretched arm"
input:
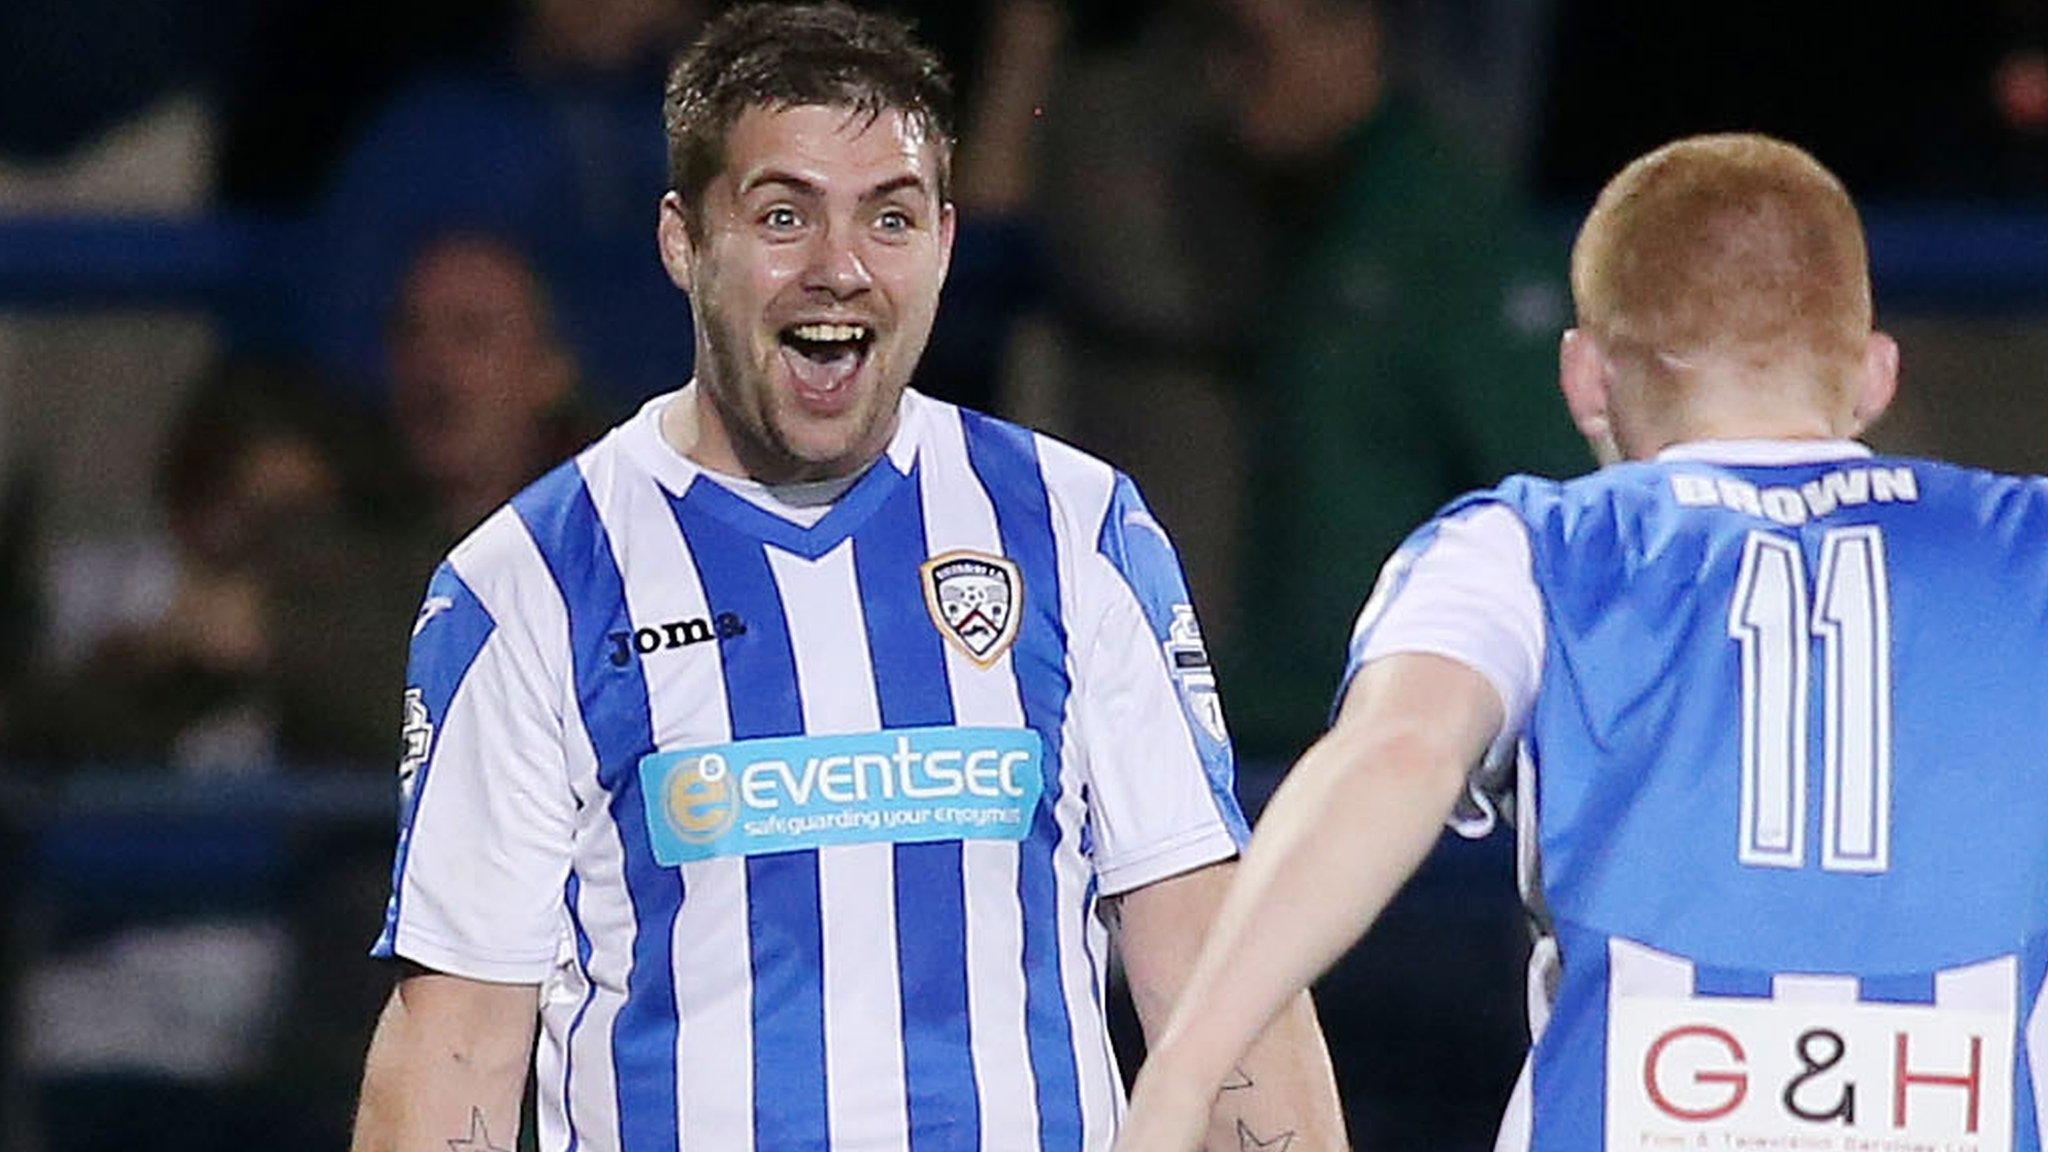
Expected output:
(1351, 823)
(447, 1066)
(1281, 1096)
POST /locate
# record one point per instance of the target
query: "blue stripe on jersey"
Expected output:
(564, 524)
(1005, 458)
(913, 690)
(448, 636)
(1708, 980)
(1137, 547)
(785, 923)
(2026, 1107)
(1914, 988)
(572, 898)
(1569, 1070)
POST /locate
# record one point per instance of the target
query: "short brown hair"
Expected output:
(777, 56)
(1735, 247)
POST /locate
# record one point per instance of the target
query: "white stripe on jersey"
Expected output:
(959, 516)
(1634, 970)
(1799, 988)
(1081, 973)
(714, 1042)
(1992, 986)
(864, 1075)
(1085, 486)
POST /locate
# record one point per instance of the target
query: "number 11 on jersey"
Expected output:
(1773, 622)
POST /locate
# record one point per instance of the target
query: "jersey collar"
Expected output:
(689, 483)
(1765, 451)
(677, 472)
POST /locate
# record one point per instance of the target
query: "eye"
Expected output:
(781, 218)
(894, 220)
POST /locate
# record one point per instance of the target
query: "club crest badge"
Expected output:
(975, 600)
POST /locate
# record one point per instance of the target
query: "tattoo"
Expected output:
(480, 1139)
(1248, 1141)
(1239, 1078)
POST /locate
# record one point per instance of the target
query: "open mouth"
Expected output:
(824, 357)
(826, 344)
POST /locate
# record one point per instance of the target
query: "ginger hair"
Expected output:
(1735, 253)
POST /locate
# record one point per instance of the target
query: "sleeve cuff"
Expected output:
(1182, 853)
(409, 943)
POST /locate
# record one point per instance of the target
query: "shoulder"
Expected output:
(517, 551)
(1013, 461)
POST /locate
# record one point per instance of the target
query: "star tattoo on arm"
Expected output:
(1248, 1141)
(1239, 1078)
(479, 1139)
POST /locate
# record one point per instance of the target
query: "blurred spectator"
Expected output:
(1408, 344)
(550, 142)
(295, 529)
(484, 398)
(1293, 307)
(1153, 252)
(481, 382)
(187, 685)
(2019, 93)
(105, 108)
(156, 995)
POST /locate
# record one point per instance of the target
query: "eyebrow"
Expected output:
(778, 178)
(889, 188)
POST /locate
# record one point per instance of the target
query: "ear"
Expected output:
(948, 223)
(1582, 375)
(672, 237)
(1879, 382)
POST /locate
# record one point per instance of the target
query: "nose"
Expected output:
(836, 264)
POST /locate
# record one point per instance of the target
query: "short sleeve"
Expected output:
(1147, 716)
(485, 814)
(1461, 587)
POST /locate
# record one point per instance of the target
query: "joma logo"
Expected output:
(674, 634)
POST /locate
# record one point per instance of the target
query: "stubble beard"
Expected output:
(748, 403)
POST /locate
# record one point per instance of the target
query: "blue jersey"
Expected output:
(800, 824)
(1783, 803)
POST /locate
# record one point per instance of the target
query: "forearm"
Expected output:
(1283, 1093)
(1281, 1090)
(1314, 877)
(446, 1068)
(1352, 822)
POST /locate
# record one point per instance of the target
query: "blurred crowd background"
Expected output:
(293, 292)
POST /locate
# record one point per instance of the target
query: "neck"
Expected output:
(1703, 400)
(692, 425)
(1688, 428)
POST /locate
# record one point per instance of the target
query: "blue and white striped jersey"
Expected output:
(1782, 795)
(802, 827)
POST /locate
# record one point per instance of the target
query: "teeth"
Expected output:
(829, 333)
